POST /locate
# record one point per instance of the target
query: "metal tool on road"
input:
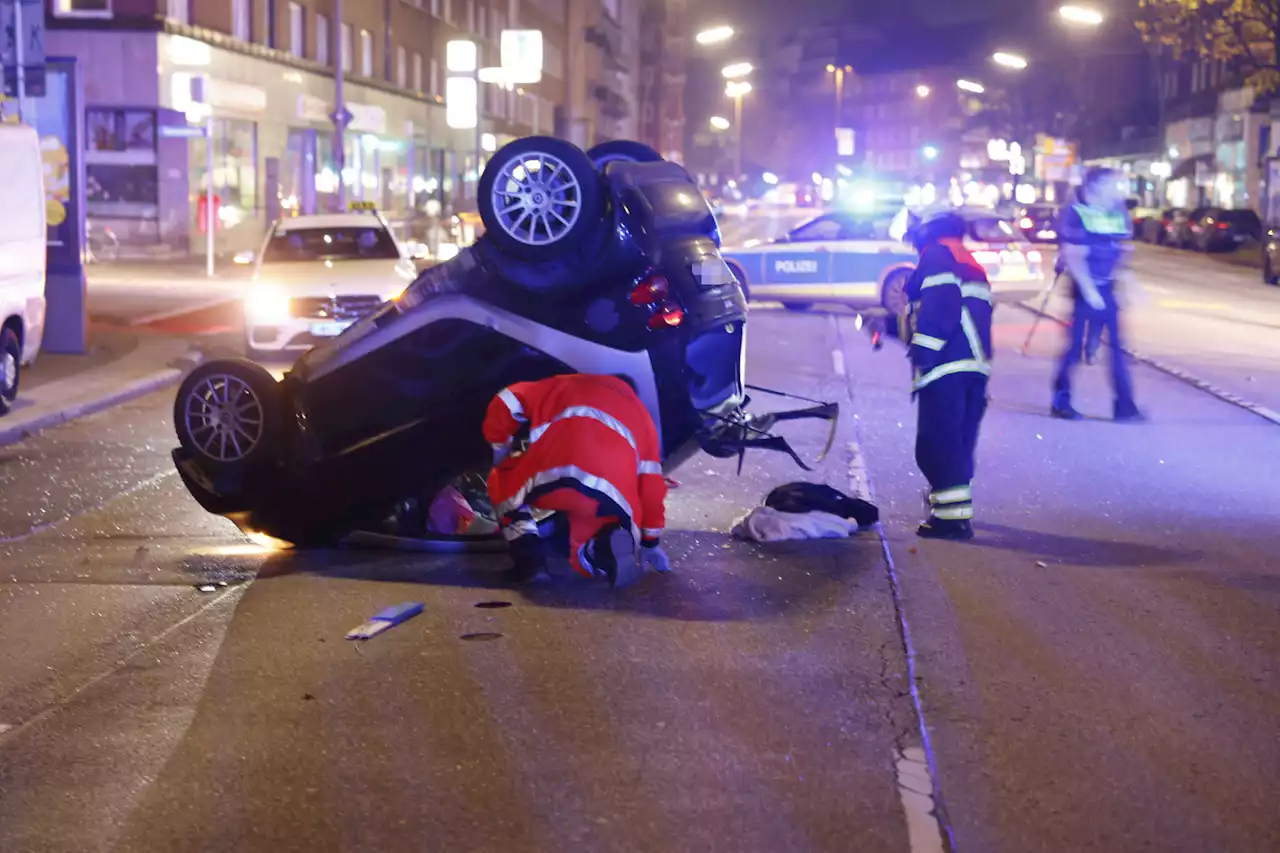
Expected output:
(1040, 314)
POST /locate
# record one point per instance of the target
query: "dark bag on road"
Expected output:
(811, 497)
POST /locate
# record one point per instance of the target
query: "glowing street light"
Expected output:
(715, 35)
(1009, 60)
(737, 70)
(922, 91)
(970, 86)
(930, 152)
(719, 123)
(1080, 15)
(737, 89)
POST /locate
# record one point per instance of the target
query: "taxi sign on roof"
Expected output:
(363, 205)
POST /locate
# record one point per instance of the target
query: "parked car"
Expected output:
(589, 262)
(1183, 228)
(1225, 230)
(1039, 223)
(1156, 229)
(851, 258)
(23, 239)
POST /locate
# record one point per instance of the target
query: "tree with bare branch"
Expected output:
(1247, 31)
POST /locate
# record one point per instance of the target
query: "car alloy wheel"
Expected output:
(10, 368)
(225, 418)
(537, 199)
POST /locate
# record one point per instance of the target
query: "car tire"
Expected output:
(624, 150)
(741, 275)
(10, 368)
(893, 292)
(239, 432)
(1268, 272)
(797, 306)
(532, 221)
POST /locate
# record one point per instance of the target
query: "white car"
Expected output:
(316, 275)
(23, 239)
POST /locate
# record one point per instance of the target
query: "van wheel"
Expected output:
(10, 369)
(893, 293)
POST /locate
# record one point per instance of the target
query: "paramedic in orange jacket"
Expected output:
(591, 452)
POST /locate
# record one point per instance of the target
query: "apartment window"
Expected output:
(366, 53)
(322, 39)
(402, 62)
(435, 77)
(348, 53)
(435, 8)
(297, 30)
(471, 16)
(241, 20)
(82, 8)
(417, 72)
(446, 10)
(482, 22)
(178, 10)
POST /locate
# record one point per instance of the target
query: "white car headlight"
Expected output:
(266, 306)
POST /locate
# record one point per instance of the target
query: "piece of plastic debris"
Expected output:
(492, 605)
(482, 636)
(385, 619)
(672, 483)
(307, 697)
(1042, 564)
(913, 550)
(211, 587)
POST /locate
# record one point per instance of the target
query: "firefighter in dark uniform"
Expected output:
(948, 330)
(1094, 236)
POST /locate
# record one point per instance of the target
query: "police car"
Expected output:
(318, 274)
(857, 258)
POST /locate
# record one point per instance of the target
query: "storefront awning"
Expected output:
(1187, 168)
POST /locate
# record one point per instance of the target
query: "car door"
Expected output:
(799, 266)
(863, 258)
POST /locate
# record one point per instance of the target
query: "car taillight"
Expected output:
(668, 317)
(1222, 226)
(651, 291)
(1026, 222)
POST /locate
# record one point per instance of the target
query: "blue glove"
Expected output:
(655, 558)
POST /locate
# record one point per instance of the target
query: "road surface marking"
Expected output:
(915, 789)
(178, 312)
(837, 362)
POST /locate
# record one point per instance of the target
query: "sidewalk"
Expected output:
(119, 366)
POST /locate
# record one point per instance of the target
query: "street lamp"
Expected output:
(719, 123)
(715, 35)
(922, 91)
(1080, 15)
(737, 70)
(970, 86)
(1009, 60)
(737, 90)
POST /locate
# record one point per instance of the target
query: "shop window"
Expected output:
(435, 77)
(82, 8)
(121, 191)
(401, 67)
(348, 51)
(322, 39)
(297, 30)
(366, 53)
(120, 130)
(235, 166)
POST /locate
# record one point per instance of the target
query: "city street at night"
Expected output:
(1096, 670)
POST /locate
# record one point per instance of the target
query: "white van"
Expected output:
(22, 256)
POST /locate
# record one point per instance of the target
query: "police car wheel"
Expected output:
(623, 150)
(228, 414)
(893, 293)
(540, 198)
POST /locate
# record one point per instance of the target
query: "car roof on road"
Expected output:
(329, 220)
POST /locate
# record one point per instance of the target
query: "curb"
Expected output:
(1176, 372)
(135, 389)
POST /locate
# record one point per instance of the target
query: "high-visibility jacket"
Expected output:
(948, 324)
(588, 431)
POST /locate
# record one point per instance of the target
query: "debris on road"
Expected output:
(765, 524)
(492, 605)
(1042, 564)
(386, 619)
(211, 587)
(481, 636)
(811, 497)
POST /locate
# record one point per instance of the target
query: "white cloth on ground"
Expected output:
(765, 524)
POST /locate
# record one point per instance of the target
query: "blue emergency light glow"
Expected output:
(931, 152)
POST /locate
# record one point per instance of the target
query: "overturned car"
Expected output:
(591, 262)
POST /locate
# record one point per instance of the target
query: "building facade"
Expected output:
(664, 40)
(261, 75)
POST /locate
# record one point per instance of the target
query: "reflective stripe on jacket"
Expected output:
(948, 325)
(592, 430)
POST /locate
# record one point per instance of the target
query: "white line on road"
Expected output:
(915, 789)
(178, 312)
(837, 362)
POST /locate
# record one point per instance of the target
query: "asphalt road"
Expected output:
(1097, 671)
